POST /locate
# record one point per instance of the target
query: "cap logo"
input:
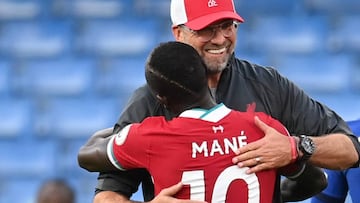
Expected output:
(212, 3)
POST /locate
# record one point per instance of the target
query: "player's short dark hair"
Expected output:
(177, 71)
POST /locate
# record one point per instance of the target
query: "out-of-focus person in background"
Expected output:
(55, 191)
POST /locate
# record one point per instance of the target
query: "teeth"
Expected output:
(216, 51)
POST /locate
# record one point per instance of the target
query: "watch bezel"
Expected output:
(307, 147)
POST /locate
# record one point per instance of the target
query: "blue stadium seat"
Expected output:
(354, 78)
(19, 9)
(24, 190)
(265, 8)
(158, 8)
(27, 158)
(84, 187)
(317, 73)
(15, 117)
(83, 181)
(54, 77)
(121, 76)
(4, 77)
(333, 7)
(164, 33)
(344, 37)
(114, 38)
(67, 160)
(76, 118)
(347, 105)
(47, 39)
(278, 35)
(90, 9)
(354, 124)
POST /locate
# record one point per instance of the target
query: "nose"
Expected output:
(218, 37)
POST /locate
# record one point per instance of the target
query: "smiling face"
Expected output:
(216, 51)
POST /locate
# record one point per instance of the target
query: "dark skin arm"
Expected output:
(311, 182)
(92, 156)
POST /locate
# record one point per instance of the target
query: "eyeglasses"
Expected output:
(227, 29)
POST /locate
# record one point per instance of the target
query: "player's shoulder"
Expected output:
(248, 116)
(272, 122)
(263, 116)
(153, 121)
(251, 113)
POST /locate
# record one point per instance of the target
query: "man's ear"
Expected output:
(162, 99)
(177, 33)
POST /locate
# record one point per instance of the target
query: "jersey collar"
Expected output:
(213, 115)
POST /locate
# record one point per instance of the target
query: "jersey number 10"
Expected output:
(197, 184)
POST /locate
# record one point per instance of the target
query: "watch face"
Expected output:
(308, 145)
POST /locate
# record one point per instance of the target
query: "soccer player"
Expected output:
(342, 182)
(196, 147)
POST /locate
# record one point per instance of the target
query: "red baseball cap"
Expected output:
(197, 14)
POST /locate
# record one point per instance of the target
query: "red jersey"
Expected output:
(197, 148)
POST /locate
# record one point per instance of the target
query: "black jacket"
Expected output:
(241, 84)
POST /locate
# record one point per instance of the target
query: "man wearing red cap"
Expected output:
(202, 13)
(210, 27)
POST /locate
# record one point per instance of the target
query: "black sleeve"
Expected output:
(141, 104)
(124, 182)
(304, 115)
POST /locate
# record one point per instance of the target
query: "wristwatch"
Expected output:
(307, 146)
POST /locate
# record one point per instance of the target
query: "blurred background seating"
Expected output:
(67, 68)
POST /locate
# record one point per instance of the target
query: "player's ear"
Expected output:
(162, 99)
